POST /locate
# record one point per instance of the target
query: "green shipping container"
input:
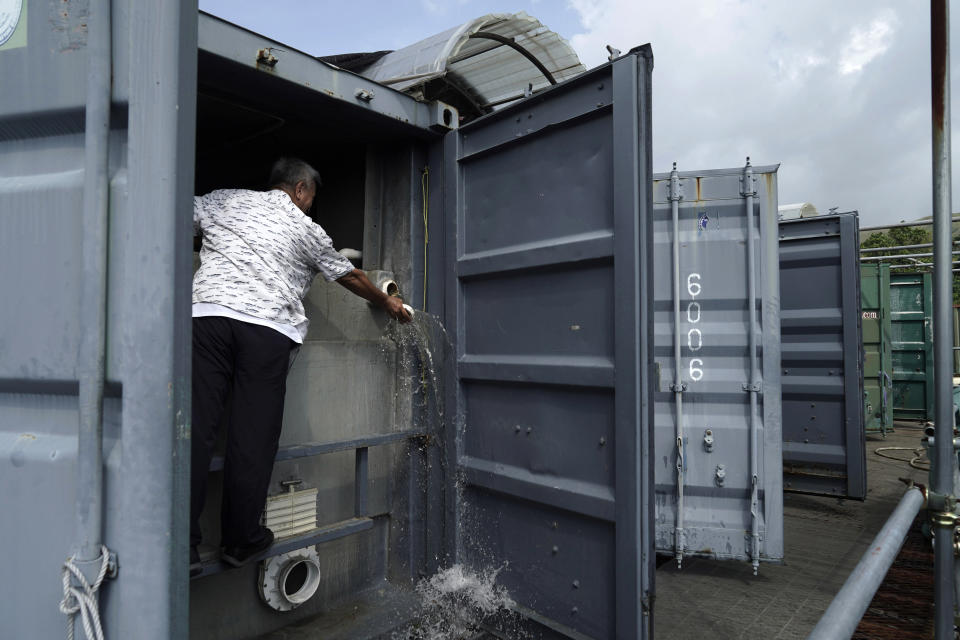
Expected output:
(911, 309)
(877, 352)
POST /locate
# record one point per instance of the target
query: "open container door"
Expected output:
(824, 448)
(548, 303)
(719, 484)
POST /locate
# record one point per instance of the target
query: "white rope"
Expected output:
(83, 599)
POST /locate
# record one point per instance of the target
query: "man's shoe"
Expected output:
(196, 566)
(239, 556)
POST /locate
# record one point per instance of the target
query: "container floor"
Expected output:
(825, 538)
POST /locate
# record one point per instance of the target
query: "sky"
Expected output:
(837, 92)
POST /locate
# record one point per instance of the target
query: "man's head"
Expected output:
(298, 179)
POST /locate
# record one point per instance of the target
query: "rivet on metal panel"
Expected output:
(603, 440)
(555, 550)
(574, 611)
(576, 584)
(708, 440)
(555, 525)
(529, 430)
(516, 429)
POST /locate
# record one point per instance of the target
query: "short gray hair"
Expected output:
(287, 172)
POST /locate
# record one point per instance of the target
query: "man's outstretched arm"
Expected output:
(357, 282)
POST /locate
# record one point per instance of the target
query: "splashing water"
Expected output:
(455, 602)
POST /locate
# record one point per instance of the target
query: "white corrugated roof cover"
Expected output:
(487, 71)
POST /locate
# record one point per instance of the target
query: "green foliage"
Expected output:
(900, 236)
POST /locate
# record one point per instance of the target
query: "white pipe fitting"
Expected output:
(290, 579)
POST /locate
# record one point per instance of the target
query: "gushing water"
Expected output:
(455, 602)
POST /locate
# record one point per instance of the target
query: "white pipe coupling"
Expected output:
(290, 579)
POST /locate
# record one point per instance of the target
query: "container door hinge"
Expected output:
(678, 388)
(751, 387)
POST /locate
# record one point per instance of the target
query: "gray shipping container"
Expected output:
(548, 414)
(824, 449)
(717, 349)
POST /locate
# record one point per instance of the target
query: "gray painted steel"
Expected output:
(348, 360)
(843, 615)
(548, 300)
(945, 458)
(145, 425)
(824, 448)
(715, 321)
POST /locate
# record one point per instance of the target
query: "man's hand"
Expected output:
(357, 282)
(394, 306)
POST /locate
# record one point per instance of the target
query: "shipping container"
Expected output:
(911, 318)
(718, 438)
(822, 385)
(877, 347)
(528, 232)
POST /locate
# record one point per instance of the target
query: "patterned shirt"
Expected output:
(260, 254)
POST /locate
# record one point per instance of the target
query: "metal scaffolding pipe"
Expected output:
(919, 223)
(848, 606)
(944, 520)
(900, 247)
(908, 255)
(918, 264)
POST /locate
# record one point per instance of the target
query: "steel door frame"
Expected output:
(633, 275)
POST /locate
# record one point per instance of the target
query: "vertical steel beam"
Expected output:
(945, 458)
(155, 333)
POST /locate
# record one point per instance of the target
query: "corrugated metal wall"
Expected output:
(823, 439)
(549, 295)
(704, 302)
(43, 238)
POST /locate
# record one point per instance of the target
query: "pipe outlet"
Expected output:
(290, 579)
(385, 281)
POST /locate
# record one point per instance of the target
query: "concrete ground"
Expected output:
(824, 540)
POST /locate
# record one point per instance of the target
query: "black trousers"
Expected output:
(241, 369)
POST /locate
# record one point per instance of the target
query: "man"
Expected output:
(260, 254)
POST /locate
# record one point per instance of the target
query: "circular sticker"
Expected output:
(9, 18)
